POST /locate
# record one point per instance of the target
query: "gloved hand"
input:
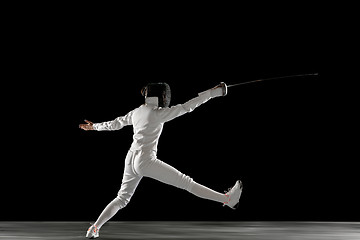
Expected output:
(217, 91)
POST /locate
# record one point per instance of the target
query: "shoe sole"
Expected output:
(92, 237)
(88, 235)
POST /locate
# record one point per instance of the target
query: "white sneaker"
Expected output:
(92, 232)
(234, 195)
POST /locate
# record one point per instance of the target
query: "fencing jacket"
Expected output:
(148, 119)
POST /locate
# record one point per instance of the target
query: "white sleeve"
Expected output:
(115, 124)
(167, 114)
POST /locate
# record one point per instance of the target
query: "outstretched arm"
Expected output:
(115, 124)
(167, 114)
(203, 97)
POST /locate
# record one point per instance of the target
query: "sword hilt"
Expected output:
(224, 88)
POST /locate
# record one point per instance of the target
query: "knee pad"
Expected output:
(120, 201)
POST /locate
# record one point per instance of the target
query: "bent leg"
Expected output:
(129, 184)
(165, 173)
(118, 203)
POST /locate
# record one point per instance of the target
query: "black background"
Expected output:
(278, 136)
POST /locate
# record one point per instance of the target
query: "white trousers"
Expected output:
(139, 164)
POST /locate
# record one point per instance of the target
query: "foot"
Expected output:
(234, 195)
(92, 232)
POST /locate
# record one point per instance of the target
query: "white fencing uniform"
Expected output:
(148, 121)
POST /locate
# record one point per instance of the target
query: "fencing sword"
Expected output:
(224, 86)
(266, 79)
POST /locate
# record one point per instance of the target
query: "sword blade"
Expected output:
(265, 79)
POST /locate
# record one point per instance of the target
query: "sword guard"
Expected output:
(224, 88)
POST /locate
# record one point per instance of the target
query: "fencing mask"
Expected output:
(160, 90)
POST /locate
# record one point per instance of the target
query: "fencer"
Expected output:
(141, 160)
